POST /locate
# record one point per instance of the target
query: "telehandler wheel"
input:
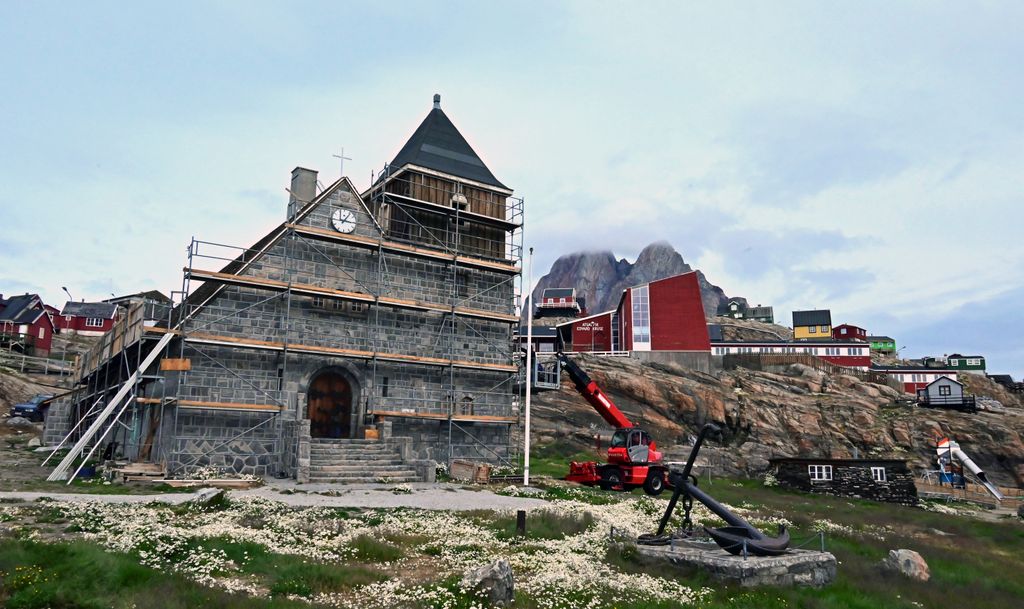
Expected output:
(655, 483)
(610, 478)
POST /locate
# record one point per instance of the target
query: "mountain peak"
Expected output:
(600, 278)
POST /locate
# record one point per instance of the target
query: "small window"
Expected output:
(843, 331)
(878, 474)
(824, 329)
(319, 302)
(974, 362)
(813, 330)
(820, 473)
(945, 390)
(384, 387)
(42, 333)
(94, 322)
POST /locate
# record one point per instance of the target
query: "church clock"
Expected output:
(343, 220)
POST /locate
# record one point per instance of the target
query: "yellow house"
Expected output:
(812, 324)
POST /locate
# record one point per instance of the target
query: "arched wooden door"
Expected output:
(330, 406)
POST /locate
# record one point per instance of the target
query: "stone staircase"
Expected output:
(356, 462)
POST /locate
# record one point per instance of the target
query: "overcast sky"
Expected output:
(865, 157)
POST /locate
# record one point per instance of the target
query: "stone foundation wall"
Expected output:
(795, 568)
(208, 438)
(687, 359)
(58, 421)
(428, 440)
(851, 480)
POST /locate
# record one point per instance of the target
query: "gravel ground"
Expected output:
(423, 496)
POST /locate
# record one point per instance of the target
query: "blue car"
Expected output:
(32, 409)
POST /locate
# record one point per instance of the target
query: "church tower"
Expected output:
(437, 192)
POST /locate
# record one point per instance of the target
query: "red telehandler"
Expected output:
(633, 457)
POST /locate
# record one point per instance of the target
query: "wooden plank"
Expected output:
(405, 248)
(175, 364)
(229, 483)
(295, 347)
(442, 417)
(228, 405)
(308, 289)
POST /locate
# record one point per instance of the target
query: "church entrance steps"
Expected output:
(323, 470)
(385, 478)
(356, 461)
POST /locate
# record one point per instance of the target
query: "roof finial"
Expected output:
(437, 101)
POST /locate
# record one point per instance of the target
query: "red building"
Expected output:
(87, 318)
(915, 377)
(25, 325)
(559, 302)
(849, 353)
(592, 333)
(849, 332)
(666, 315)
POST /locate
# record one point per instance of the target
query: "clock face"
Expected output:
(343, 220)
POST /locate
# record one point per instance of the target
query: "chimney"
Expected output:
(437, 101)
(303, 190)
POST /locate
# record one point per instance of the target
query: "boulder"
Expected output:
(209, 496)
(493, 582)
(908, 563)
(34, 443)
(18, 422)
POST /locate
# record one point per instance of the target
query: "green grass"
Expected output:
(289, 574)
(553, 459)
(369, 549)
(83, 575)
(540, 524)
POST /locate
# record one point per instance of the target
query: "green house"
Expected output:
(882, 344)
(966, 363)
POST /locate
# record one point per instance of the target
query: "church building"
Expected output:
(366, 337)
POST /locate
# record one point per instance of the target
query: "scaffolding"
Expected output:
(475, 239)
(477, 232)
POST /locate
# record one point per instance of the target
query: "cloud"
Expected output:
(976, 327)
(750, 253)
(794, 150)
(828, 285)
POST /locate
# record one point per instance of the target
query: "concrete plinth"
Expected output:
(794, 568)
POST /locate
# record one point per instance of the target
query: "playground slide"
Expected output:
(948, 448)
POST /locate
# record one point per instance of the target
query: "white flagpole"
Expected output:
(529, 368)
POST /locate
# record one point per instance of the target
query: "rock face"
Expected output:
(493, 582)
(791, 411)
(18, 422)
(600, 278)
(908, 563)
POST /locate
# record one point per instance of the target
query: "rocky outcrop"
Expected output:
(794, 411)
(907, 563)
(600, 278)
(493, 582)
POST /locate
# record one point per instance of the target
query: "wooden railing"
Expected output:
(762, 361)
(1013, 497)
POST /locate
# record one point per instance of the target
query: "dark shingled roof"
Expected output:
(558, 292)
(539, 332)
(878, 339)
(104, 310)
(22, 309)
(437, 144)
(715, 332)
(820, 317)
(153, 295)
